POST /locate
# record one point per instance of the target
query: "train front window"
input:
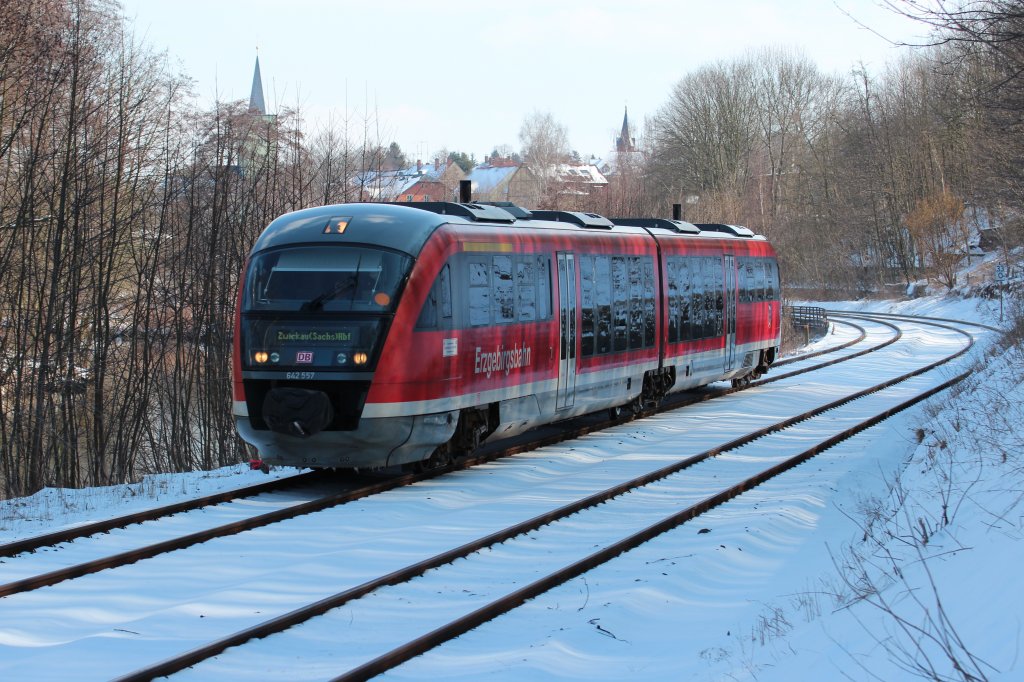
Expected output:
(314, 279)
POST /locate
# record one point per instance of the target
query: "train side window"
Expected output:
(587, 307)
(773, 280)
(718, 297)
(707, 292)
(715, 295)
(739, 279)
(620, 310)
(672, 267)
(759, 281)
(526, 288)
(685, 292)
(746, 273)
(437, 308)
(543, 287)
(751, 281)
(428, 314)
(636, 304)
(603, 282)
(504, 290)
(649, 302)
(697, 300)
(479, 294)
(721, 295)
(445, 282)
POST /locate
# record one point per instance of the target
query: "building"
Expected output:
(625, 142)
(262, 127)
(437, 181)
(505, 180)
(626, 158)
(256, 103)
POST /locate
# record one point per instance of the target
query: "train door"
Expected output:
(566, 330)
(729, 312)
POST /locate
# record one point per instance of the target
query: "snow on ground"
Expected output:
(53, 509)
(799, 579)
(891, 553)
(925, 579)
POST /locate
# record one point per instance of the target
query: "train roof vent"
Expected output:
(679, 226)
(591, 220)
(734, 230)
(477, 212)
(518, 211)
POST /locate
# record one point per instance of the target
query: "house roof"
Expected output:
(583, 173)
(616, 161)
(418, 171)
(486, 178)
(390, 184)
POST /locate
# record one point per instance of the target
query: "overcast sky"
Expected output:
(464, 74)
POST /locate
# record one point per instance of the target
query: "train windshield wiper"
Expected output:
(340, 288)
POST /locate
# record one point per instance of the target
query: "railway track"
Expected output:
(551, 519)
(37, 542)
(352, 490)
(31, 544)
(660, 491)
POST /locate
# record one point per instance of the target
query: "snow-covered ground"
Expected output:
(874, 560)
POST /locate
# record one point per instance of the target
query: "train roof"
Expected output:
(406, 227)
(392, 226)
(506, 212)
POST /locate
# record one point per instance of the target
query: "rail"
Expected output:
(503, 604)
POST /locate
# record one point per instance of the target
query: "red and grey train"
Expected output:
(373, 335)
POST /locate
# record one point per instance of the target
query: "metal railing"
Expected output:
(806, 316)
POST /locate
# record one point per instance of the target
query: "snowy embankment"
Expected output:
(52, 509)
(922, 582)
(804, 578)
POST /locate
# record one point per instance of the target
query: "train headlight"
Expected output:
(260, 356)
(360, 358)
(341, 358)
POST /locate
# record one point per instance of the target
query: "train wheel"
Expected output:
(439, 458)
(741, 382)
(636, 407)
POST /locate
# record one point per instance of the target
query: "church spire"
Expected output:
(256, 98)
(624, 143)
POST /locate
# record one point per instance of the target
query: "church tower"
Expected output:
(261, 138)
(624, 142)
(256, 103)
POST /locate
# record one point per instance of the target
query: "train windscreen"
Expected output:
(318, 308)
(331, 278)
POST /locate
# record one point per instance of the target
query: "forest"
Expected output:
(127, 210)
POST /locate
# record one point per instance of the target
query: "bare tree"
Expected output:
(545, 145)
(703, 137)
(938, 228)
(986, 36)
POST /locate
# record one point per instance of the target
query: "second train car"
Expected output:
(374, 335)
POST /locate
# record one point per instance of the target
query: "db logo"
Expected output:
(304, 357)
